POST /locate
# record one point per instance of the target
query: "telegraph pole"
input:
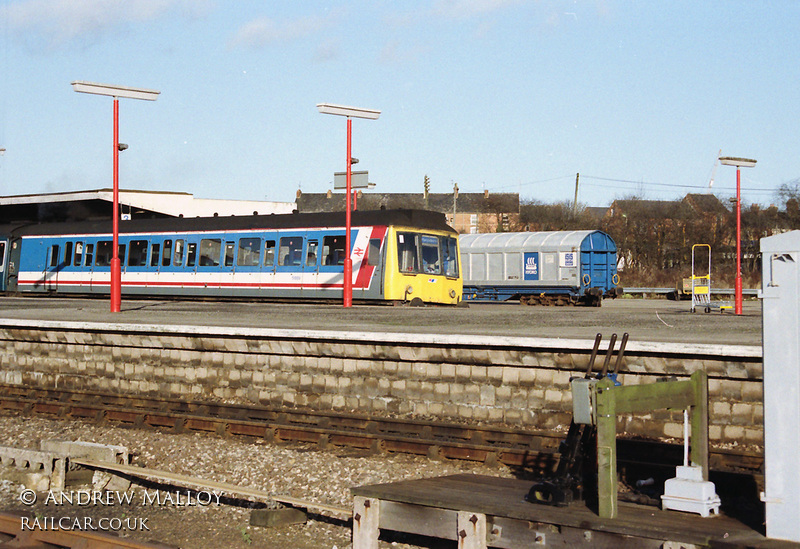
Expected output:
(575, 202)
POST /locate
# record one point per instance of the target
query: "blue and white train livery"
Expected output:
(397, 255)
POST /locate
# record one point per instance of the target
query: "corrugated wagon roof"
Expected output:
(545, 240)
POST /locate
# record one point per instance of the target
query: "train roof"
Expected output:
(420, 219)
(545, 240)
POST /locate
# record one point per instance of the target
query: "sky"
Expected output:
(638, 97)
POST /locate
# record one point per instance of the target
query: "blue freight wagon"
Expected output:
(548, 268)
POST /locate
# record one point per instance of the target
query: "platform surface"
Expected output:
(503, 497)
(647, 320)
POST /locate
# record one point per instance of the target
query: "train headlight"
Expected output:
(452, 293)
(409, 289)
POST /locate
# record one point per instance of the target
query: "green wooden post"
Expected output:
(611, 400)
(606, 449)
(699, 420)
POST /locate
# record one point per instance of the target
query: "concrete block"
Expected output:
(487, 395)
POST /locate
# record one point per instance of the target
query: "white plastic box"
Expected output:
(689, 492)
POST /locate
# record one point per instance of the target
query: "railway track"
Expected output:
(536, 451)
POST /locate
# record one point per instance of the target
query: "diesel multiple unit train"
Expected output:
(548, 268)
(397, 255)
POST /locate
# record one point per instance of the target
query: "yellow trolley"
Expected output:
(701, 283)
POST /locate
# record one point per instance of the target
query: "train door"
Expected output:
(246, 276)
(227, 274)
(51, 268)
(311, 269)
(268, 266)
(3, 263)
(76, 261)
(291, 260)
(88, 265)
(190, 281)
(598, 261)
(151, 277)
(375, 260)
(331, 263)
(210, 263)
(134, 269)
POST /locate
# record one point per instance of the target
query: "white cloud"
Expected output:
(55, 23)
(265, 30)
(458, 9)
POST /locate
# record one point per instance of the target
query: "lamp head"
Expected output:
(736, 161)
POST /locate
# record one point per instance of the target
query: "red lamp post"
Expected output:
(349, 112)
(116, 92)
(739, 163)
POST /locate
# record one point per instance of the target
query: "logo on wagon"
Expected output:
(531, 265)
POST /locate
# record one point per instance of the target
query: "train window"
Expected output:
(311, 253)
(67, 253)
(89, 254)
(121, 253)
(2, 256)
(191, 254)
(103, 257)
(450, 256)
(290, 250)
(53, 260)
(269, 253)
(229, 250)
(431, 261)
(333, 250)
(407, 252)
(155, 253)
(374, 252)
(137, 253)
(178, 256)
(210, 250)
(166, 254)
(78, 259)
(249, 249)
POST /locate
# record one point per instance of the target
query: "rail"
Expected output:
(533, 450)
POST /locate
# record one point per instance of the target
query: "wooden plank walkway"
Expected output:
(482, 511)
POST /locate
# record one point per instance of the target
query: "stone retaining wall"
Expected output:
(518, 381)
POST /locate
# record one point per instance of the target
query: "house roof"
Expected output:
(438, 202)
(96, 205)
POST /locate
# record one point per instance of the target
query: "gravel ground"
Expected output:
(294, 470)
